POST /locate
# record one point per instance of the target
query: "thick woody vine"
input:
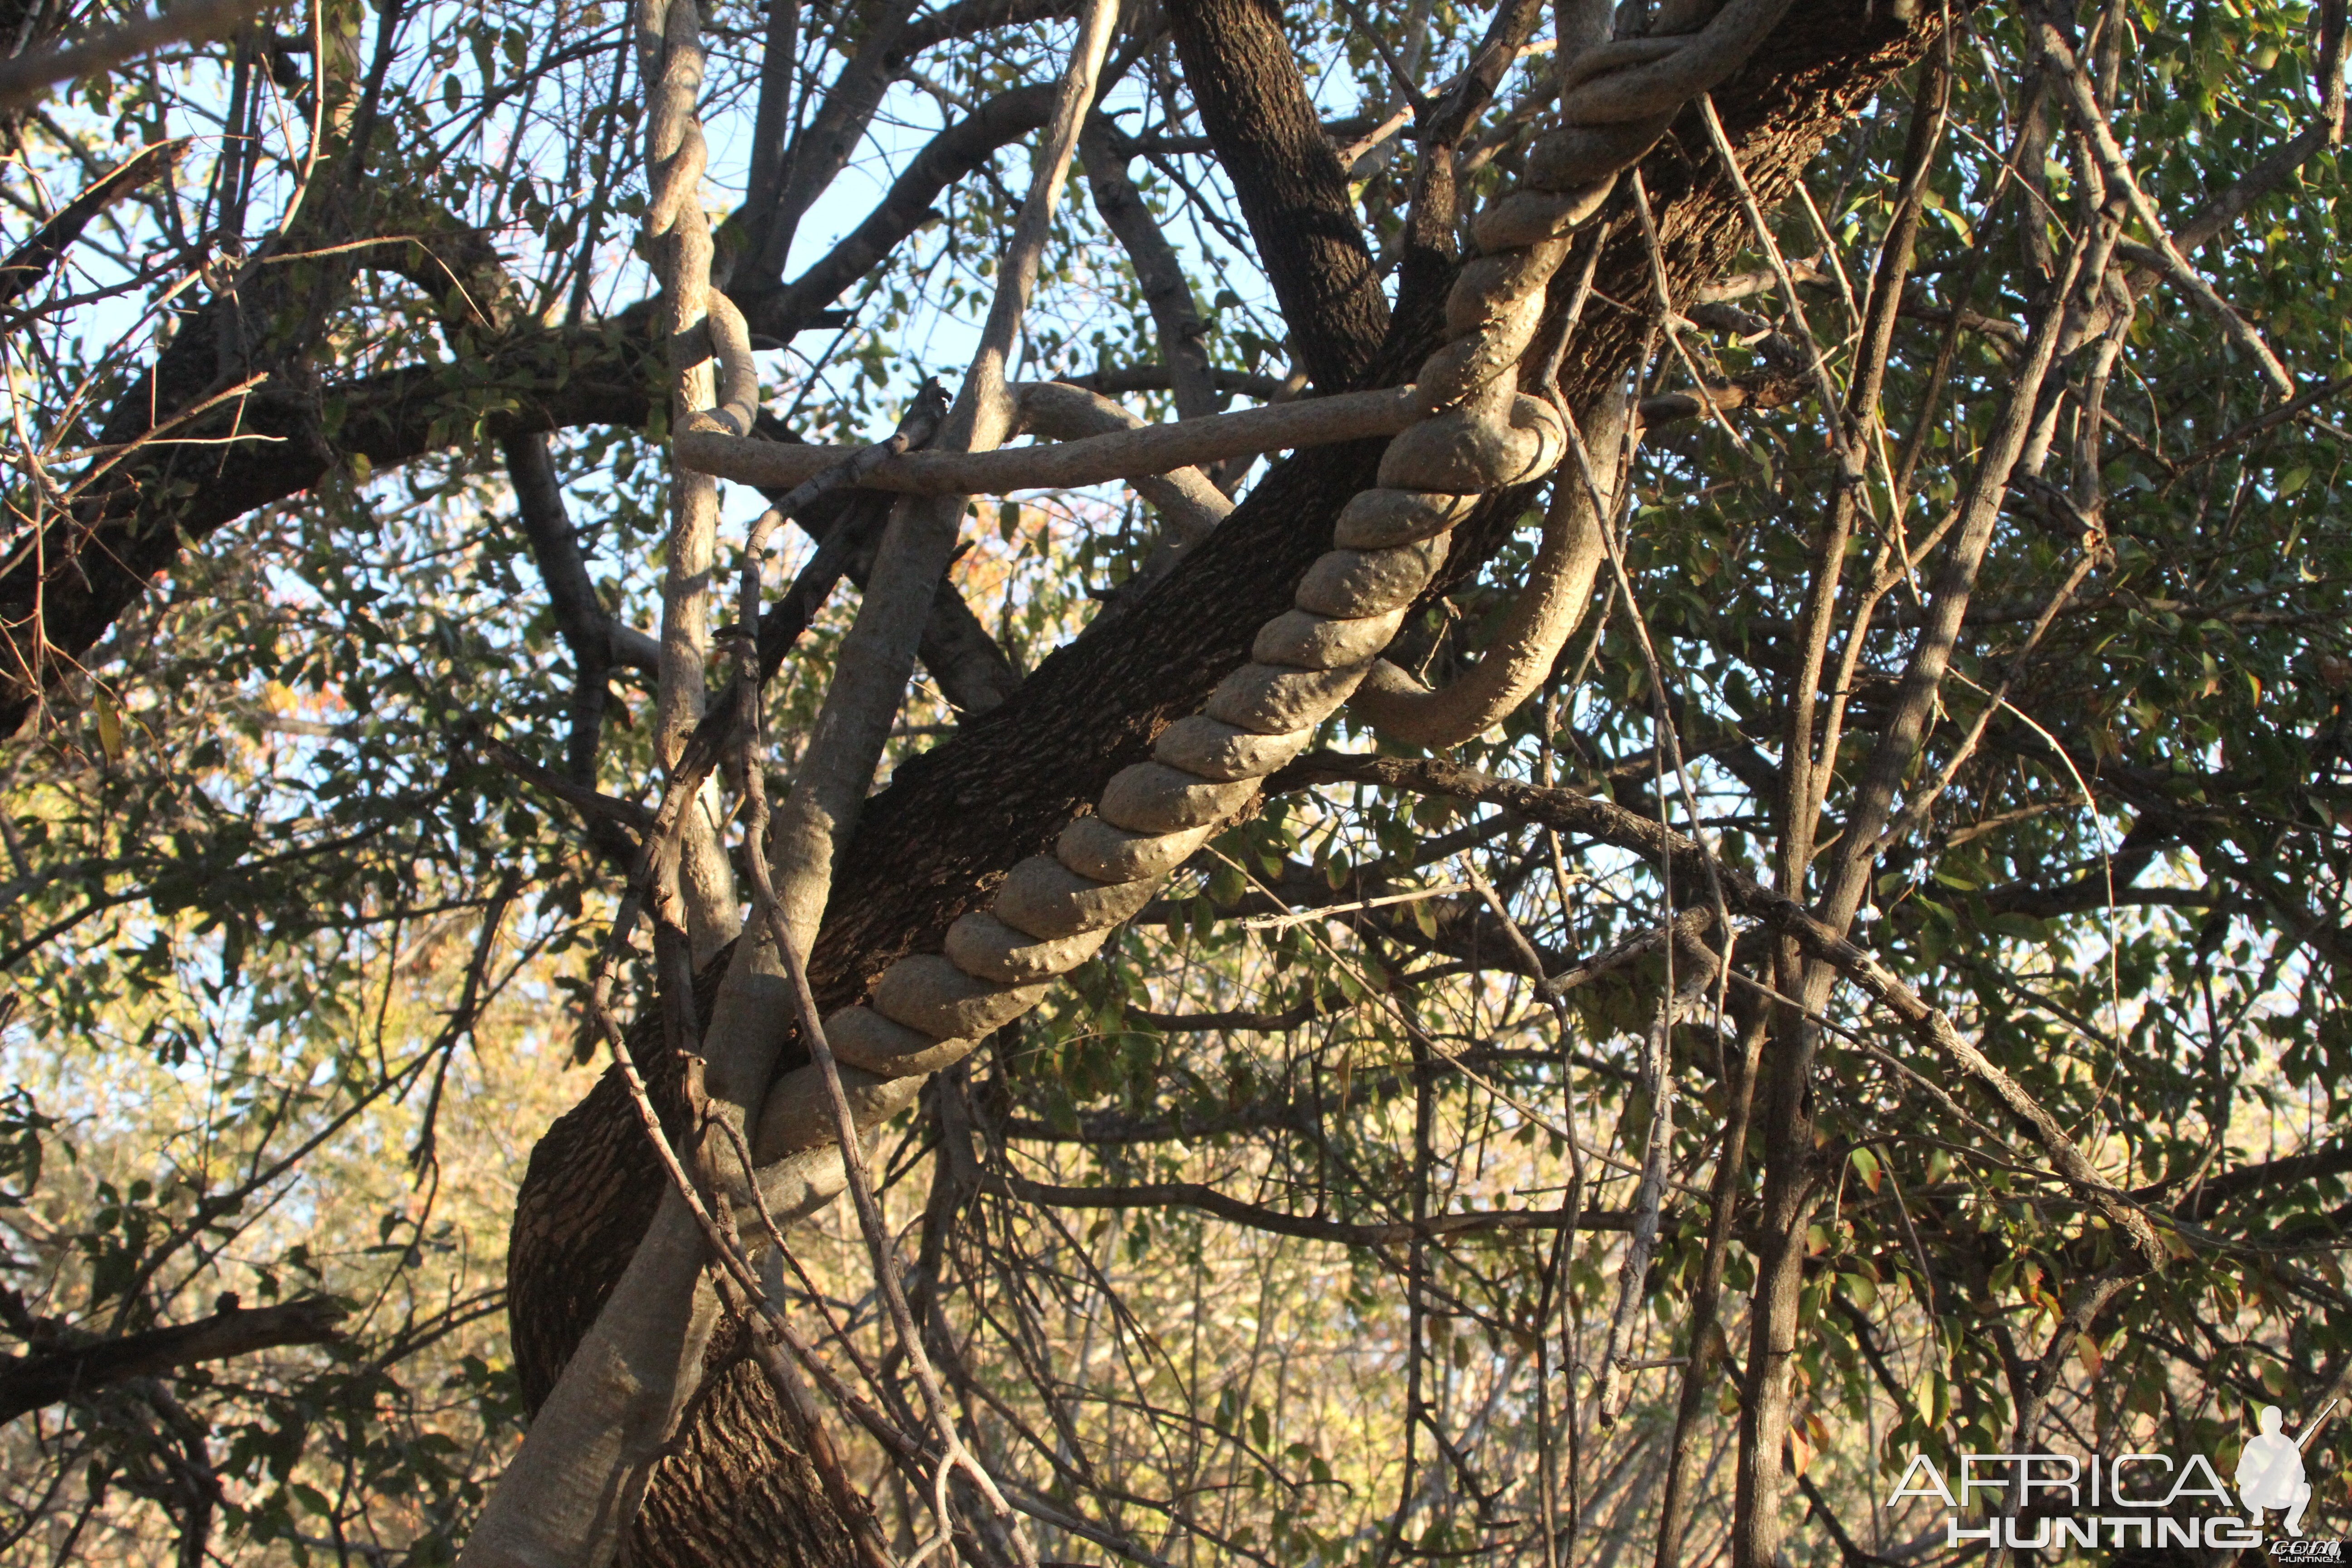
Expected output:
(1477, 431)
(1483, 415)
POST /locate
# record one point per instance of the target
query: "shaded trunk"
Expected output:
(1244, 73)
(736, 1490)
(937, 840)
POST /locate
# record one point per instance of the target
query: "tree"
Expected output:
(1730, 870)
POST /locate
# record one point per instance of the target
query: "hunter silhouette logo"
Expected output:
(2270, 1472)
(2147, 1500)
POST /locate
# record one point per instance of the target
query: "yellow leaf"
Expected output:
(109, 729)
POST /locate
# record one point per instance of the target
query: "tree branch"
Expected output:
(946, 158)
(26, 80)
(1257, 1216)
(30, 261)
(28, 1383)
(1243, 74)
(1694, 865)
(1095, 460)
(1166, 290)
(596, 639)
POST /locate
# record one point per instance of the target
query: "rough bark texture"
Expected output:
(735, 1491)
(932, 845)
(1244, 73)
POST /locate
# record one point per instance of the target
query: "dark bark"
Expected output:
(25, 24)
(1422, 1227)
(967, 18)
(934, 843)
(2212, 1196)
(580, 618)
(736, 1490)
(1167, 292)
(966, 664)
(1243, 74)
(546, 381)
(872, 36)
(60, 593)
(30, 261)
(960, 657)
(888, 40)
(59, 599)
(28, 1383)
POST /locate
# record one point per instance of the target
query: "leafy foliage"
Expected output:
(1260, 1252)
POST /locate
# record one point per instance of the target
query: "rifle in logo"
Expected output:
(2127, 1498)
(2270, 1472)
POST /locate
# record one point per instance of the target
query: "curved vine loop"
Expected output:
(703, 322)
(1477, 433)
(1544, 615)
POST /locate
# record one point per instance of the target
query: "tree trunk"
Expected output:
(932, 845)
(736, 1491)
